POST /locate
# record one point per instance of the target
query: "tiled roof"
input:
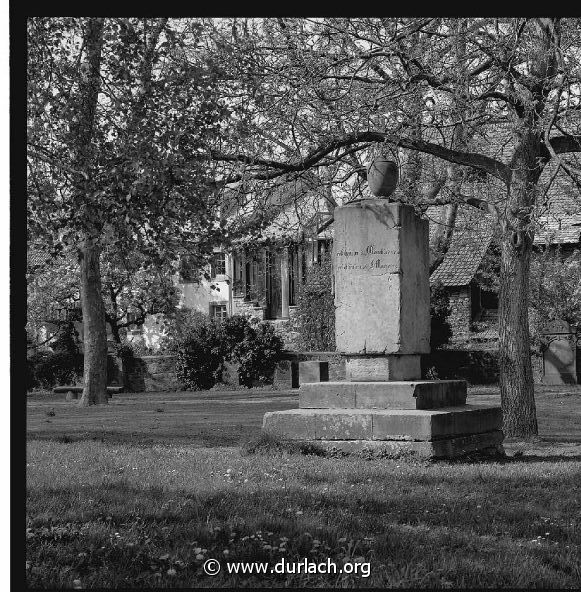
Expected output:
(560, 222)
(468, 246)
(556, 233)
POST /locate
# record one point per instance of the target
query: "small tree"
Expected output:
(315, 313)
(555, 288)
(439, 312)
(119, 116)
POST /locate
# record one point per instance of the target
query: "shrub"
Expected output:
(199, 351)
(47, 369)
(203, 345)
(315, 312)
(257, 352)
(233, 331)
(50, 369)
(67, 340)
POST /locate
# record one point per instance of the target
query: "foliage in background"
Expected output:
(440, 331)
(555, 288)
(62, 366)
(49, 369)
(315, 313)
(133, 288)
(52, 288)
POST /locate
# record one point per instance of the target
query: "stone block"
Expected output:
(382, 293)
(424, 394)
(352, 424)
(294, 425)
(330, 395)
(313, 371)
(377, 368)
(435, 424)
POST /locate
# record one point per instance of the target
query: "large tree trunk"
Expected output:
(516, 376)
(94, 327)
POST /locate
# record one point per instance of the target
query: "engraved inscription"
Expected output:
(368, 259)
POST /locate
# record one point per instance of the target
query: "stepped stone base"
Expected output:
(421, 394)
(489, 443)
(392, 424)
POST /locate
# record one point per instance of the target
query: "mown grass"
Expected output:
(141, 492)
(126, 516)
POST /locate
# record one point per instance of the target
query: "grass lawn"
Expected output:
(142, 492)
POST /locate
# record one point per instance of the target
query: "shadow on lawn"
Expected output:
(216, 438)
(422, 516)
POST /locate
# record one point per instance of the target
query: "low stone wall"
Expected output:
(158, 373)
(150, 373)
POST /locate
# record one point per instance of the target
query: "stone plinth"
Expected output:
(374, 368)
(382, 291)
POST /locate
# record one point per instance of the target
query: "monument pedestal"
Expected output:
(382, 323)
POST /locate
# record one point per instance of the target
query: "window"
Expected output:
(70, 313)
(219, 264)
(218, 312)
(187, 269)
(132, 318)
(238, 283)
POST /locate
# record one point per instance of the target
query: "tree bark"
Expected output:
(516, 376)
(94, 326)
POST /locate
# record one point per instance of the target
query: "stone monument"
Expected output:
(382, 326)
(559, 353)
